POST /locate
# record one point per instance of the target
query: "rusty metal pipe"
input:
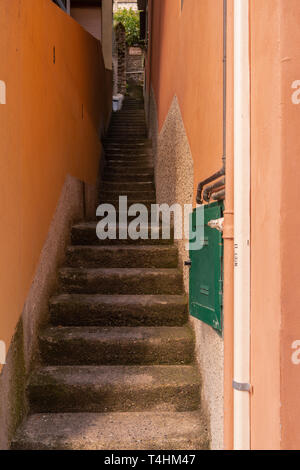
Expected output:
(218, 196)
(211, 189)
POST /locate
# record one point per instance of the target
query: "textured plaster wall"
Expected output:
(23, 353)
(174, 176)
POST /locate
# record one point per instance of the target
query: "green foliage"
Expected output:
(130, 19)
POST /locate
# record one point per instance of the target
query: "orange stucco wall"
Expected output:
(49, 127)
(187, 60)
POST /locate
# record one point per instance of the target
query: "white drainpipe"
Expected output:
(241, 383)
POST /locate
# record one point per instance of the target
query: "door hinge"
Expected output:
(221, 291)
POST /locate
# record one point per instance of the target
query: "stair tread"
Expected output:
(89, 226)
(114, 388)
(114, 248)
(125, 333)
(120, 376)
(133, 300)
(118, 310)
(113, 431)
(140, 345)
(141, 255)
(121, 272)
(82, 280)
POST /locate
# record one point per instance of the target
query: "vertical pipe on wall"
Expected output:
(228, 243)
(224, 79)
(241, 226)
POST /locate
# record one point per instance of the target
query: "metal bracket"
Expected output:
(240, 387)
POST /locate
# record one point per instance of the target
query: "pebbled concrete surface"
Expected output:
(118, 310)
(113, 431)
(114, 388)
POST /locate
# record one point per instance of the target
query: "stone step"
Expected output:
(132, 107)
(129, 116)
(133, 186)
(118, 310)
(121, 215)
(128, 157)
(129, 164)
(120, 256)
(66, 389)
(136, 144)
(126, 135)
(128, 150)
(123, 281)
(115, 203)
(132, 198)
(85, 234)
(146, 176)
(138, 162)
(131, 122)
(136, 170)
(132, 142)
(117, 346)
(135, 195)
(130, 127)
(113, 431)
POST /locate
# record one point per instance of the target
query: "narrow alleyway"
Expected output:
(117, 366)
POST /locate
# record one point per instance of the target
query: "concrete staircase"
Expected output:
(118, 368)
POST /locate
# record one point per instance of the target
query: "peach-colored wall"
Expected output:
(89, 18)
(275, 60)
(290, 224)
(266, 163)
(182, 42)
(186, 60)
(49, 128)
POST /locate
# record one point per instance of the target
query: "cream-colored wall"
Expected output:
(90, 19)
(119, 4)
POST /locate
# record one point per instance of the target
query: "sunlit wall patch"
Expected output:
(2, 92)
(2, 353)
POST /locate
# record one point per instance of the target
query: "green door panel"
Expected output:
(206, 272)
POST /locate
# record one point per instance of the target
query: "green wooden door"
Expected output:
(206, 272)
